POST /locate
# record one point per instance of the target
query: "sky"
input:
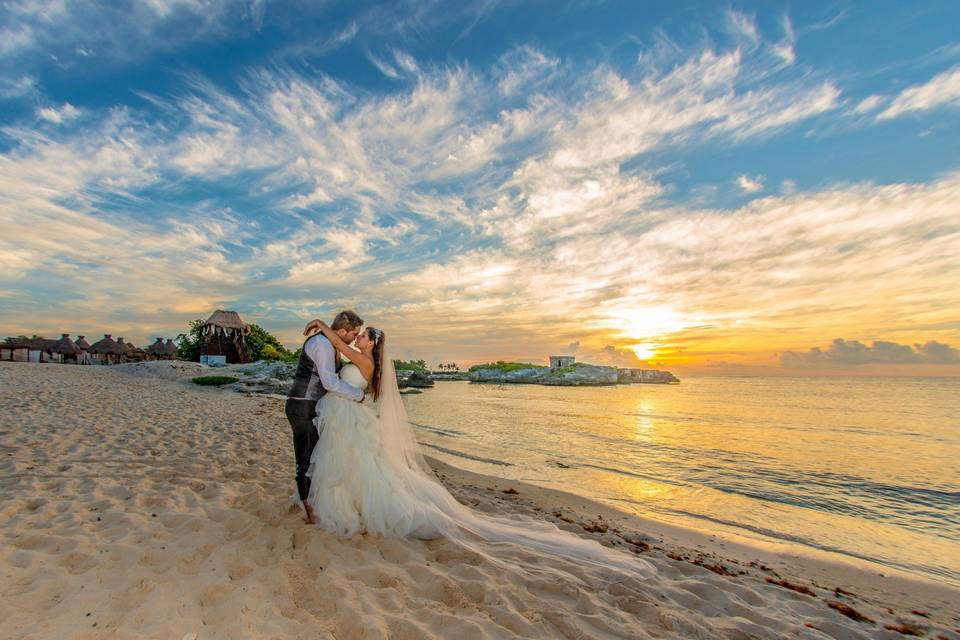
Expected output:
(737, 188)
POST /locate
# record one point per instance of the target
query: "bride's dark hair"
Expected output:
(377, 338)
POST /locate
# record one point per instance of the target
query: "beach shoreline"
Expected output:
(136, 504)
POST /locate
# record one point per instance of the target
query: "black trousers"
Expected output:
(301, 413)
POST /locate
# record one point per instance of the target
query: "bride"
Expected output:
(367, 475)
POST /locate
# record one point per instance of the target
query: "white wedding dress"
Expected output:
(367, 476)
(355, 486)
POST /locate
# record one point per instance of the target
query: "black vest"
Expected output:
(306, 380)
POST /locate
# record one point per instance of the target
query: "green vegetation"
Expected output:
(261, 345)
(188, 344)
(214, 381)
(570, 367)
(411, 365)
(506, 367)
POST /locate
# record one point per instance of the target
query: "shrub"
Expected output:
(188, 345)
(506, 367)
(411, 365)
(570, 367)
(215, 381)
(261, 345)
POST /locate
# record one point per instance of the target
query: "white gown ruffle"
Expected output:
(356, 486)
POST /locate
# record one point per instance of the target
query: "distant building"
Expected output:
(557, 362)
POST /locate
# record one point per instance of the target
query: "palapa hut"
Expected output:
(107, 351)
(131, 353)
(66, 349)
(23, 349)
(84, 346)
(158, 351)
(6, 349)
(171, 349)
(223, 335)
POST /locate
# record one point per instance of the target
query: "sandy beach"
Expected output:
(138, 505)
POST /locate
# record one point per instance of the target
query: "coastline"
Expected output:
(137, 504)
(883, 586)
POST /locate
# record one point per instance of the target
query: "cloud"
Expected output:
(743, 27)
(57, 116)
(613, 356)
(384, 67)
(118, 31)
(785, 49)
(854, 353)
(868, 104)
(941, 90)
(522, 199)
(750, 185)
(17, 86)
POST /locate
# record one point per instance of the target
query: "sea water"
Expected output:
(864, 467)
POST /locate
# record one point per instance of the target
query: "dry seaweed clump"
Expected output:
(905, 628)
(848, 611)
(799, 588)
(215, 381)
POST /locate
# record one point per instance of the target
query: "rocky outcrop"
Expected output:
(533, 375)
(419, 380)
(449, 375)
(572, 376)
(645, 376)
(583, 375)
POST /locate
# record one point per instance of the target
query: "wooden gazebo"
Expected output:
(223, 335)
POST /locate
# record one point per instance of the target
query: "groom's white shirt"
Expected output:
(319, 349)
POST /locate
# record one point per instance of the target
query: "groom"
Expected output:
(316, 374)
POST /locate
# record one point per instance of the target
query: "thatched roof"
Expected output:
(82, 343)
(107, 346)
(170, 347)
(66, 346)
(34, 344)
(128, 347)
(226, 320)
(157, 348)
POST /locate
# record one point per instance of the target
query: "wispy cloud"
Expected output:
(940, 91)
(57, 115)
(750, 185)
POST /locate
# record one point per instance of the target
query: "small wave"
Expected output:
(928, 569)
(450, 433)
(461, 454)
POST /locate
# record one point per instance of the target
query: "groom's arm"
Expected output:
(322, 353)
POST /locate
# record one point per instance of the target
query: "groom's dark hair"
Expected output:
(346, 320)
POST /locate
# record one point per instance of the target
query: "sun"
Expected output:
(644, 351)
